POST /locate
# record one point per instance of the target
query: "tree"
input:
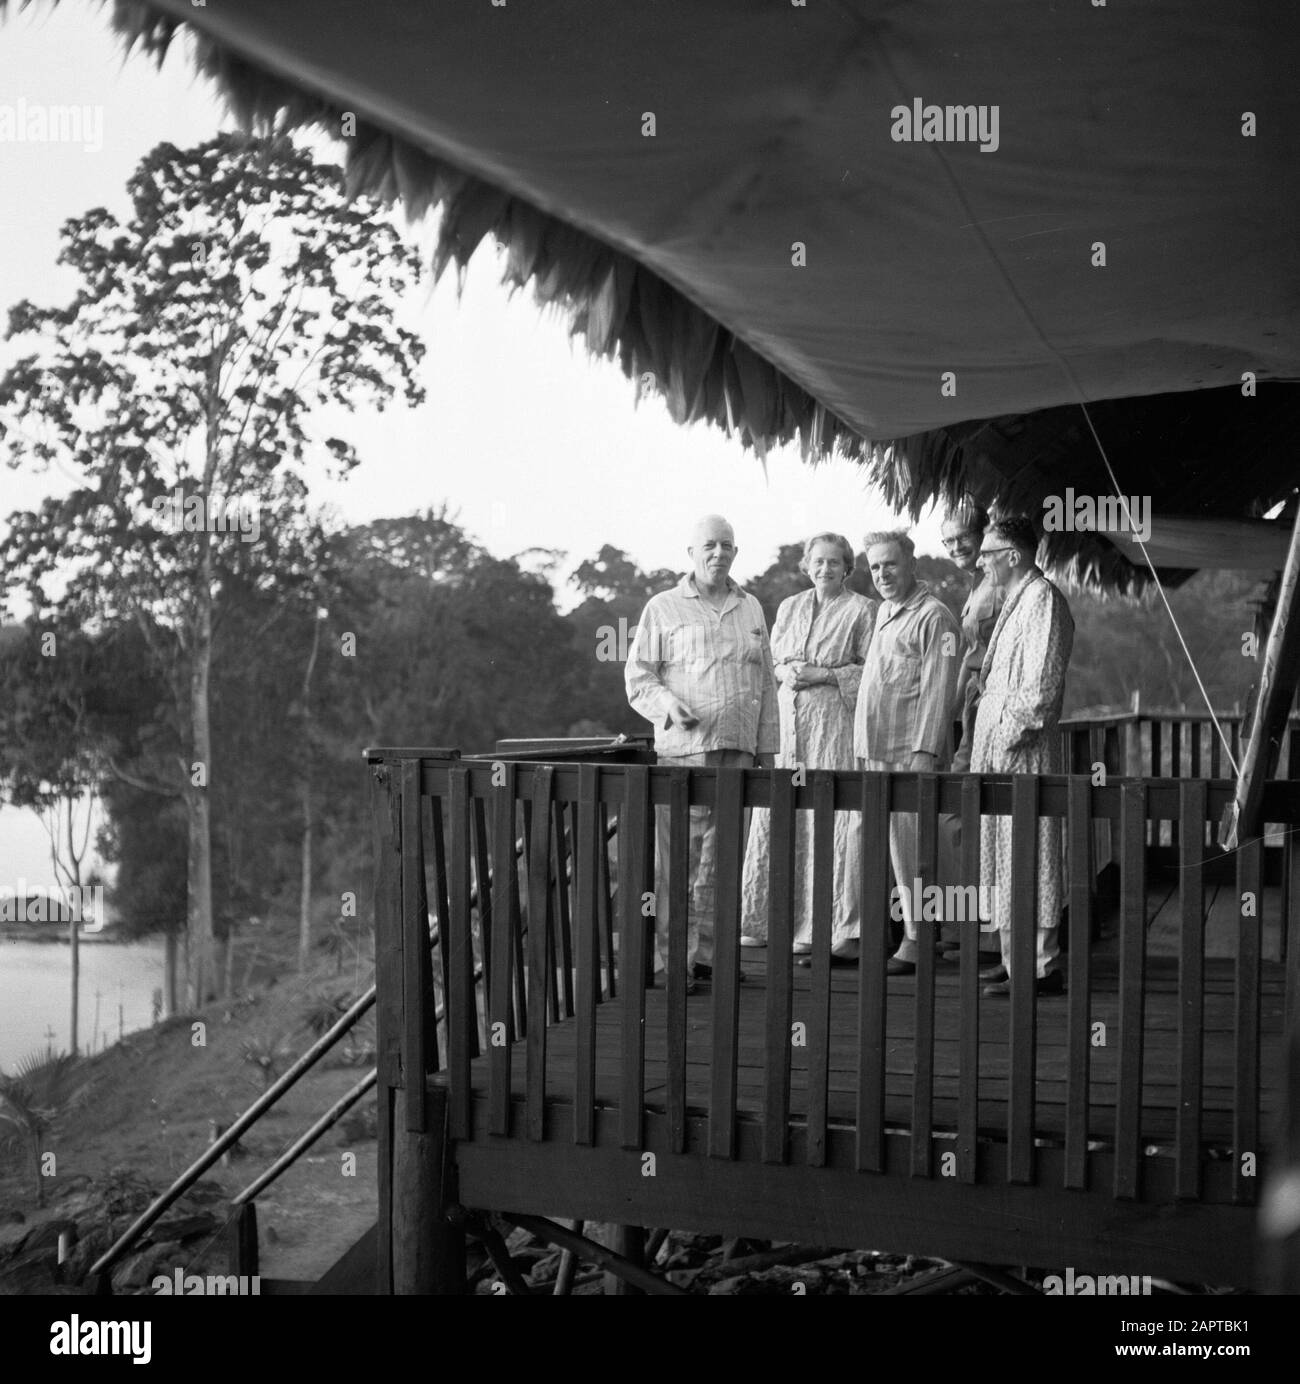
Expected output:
(615, 591)
(178, 387)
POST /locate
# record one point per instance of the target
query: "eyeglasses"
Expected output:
(993, 552)
(961, 538)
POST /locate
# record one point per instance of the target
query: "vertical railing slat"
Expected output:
(1191, 981)
(563, 910)
(417, 974)
(462, 1016)
(586, 952)
(1132, 970)
(1078, 1020)
(483, 894)
(605, 903)
(679, 903)
(1024, 971)
(540, 949)
(632, 819)
(497, 969)
(729, 820)
(819, 997)
(968, 1094)
(875, 948)
(1245, 1100)
(927, 856)
(780, 975)
(437, 840)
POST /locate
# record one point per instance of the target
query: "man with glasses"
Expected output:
(1017, 732)
(962, 532)
(903, 718)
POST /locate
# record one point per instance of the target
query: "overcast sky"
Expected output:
(529, 441)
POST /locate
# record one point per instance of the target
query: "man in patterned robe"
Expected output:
(1017, 732)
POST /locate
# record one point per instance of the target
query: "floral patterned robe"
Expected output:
(1017, 732)
(817, 732)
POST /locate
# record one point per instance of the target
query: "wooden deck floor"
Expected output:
(1159, 1057)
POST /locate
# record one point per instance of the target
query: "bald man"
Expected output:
(700, 671)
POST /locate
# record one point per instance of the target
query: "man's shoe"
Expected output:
(747, 941)
(704, 974)
(1051, 984)
(802, 948)
(994, 973)
(895, 967)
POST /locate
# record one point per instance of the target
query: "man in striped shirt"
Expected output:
(700, 670)
(903, 719)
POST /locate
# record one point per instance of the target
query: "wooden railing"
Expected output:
(562, 930)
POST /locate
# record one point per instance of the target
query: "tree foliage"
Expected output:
(179, 387)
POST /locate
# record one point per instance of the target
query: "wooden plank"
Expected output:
(927, 859)
(1024, 947)
(1247, 1153)
(417, 982)
(969, 983)
(632, 819)
(518, 862)
(679, 887)
(1197, 733)
(778, 1034)
(484, 900)
(502, 925)
(729, 856)
(605, 902)
(540, 951)
(1191, 983)
(1175, 770)
(462, 1016)
(819, 997)
(563, 914)
(433, 826)
(1078, 1020)
(386, 837)
(586, 952)
(1132, 961)
(875, 948)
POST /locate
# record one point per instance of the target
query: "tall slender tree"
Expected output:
(178, 386)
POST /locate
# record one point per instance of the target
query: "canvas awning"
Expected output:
(1165, 132)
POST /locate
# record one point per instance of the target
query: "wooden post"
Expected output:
(243, 1241)
(428, 1239)
(386, 827)
(1276, 692)
(629, 1241)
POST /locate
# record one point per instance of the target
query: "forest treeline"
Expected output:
(413, 634)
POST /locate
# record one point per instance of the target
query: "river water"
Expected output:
(35, 993)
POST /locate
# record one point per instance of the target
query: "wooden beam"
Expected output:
(1277, 684)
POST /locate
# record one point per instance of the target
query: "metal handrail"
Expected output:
(305, 1141)
(250, 1116)
(267, 1099)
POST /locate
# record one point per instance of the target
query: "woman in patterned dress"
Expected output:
(819, 644)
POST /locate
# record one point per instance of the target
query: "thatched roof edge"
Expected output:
(662, 340)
